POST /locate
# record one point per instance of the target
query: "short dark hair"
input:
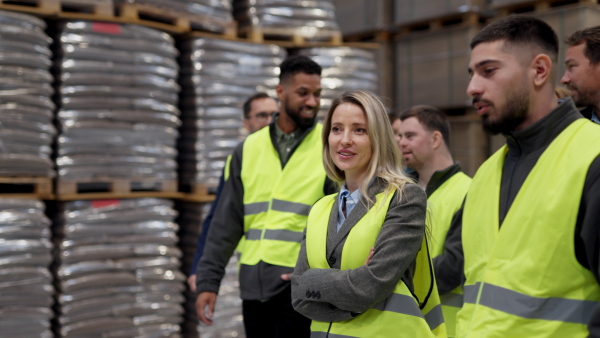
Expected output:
(295, 64)
(591, 37)
(248, 102)
(431, 118)
(520, 30)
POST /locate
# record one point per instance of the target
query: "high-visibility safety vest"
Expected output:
(523, 278)
(402, 314)
(445, 201)
(276, 200)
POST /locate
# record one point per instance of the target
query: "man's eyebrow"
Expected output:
(480, 64)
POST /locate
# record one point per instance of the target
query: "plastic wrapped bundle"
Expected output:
(344, 69)
(117, 269)
(228, 321)
(26, 130)
(25, 281)
(190, 227)
(118, 111)
(207, 15)
(217, 76)
(313, 19)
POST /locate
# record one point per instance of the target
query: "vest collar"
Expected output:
(538, 136)
(439, 177)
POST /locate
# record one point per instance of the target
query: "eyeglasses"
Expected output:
(263, 115)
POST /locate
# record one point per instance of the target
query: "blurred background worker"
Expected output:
(582, 73)
(258, 113)
(424, 143)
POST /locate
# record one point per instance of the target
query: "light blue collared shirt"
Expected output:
(351, 201)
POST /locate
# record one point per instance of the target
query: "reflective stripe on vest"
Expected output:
(400, 311)
(276, 200)
(523, 279)
(445, 201)
(518, 304)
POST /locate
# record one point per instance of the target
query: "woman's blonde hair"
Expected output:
(385, 159)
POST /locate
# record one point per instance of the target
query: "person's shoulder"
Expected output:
(412, 192)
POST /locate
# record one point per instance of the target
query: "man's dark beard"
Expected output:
(507, 120)
(583, 98)
(301, 122)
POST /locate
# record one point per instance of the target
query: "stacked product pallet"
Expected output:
(206, 15)
(118, 112)
(117, 269)
(228, 311)
(190, 227)
(217, 76)
(344, 69)
(311, 19)
(25, 281)
(26, 130)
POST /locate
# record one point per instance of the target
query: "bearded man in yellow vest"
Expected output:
(275, 176)
(424, 143)
(530, 222)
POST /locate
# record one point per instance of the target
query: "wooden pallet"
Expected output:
(198, 192)
(102, 8)
(370, 36)
(114, 186)
(294, 37)
(26, 187)
(164, 18)
(535, 6)
(461, 19)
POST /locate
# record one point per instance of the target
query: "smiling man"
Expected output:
(582, 73)
(530, 232)
(424, 143)
(275, 176)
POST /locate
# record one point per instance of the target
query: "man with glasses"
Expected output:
(259, 110)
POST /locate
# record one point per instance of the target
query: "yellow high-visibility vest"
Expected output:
(401, 314)
(523, 278)
(276, 200)
(445, 201)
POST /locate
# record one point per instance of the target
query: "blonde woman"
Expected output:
(364, 268)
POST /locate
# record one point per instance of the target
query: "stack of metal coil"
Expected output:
(26, 130)
(117, 269)
(217, 76)
(312, 19)
(344, 68)
(25, 282)
(118, 111)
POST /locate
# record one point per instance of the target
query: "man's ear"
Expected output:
(541, 66)
(437, 138)
(280, 92)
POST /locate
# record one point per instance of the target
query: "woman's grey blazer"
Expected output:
(331, 295)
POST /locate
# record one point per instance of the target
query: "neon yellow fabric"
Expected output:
(523, 279)
(445, 201)
(400, 313)
(276, 200)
